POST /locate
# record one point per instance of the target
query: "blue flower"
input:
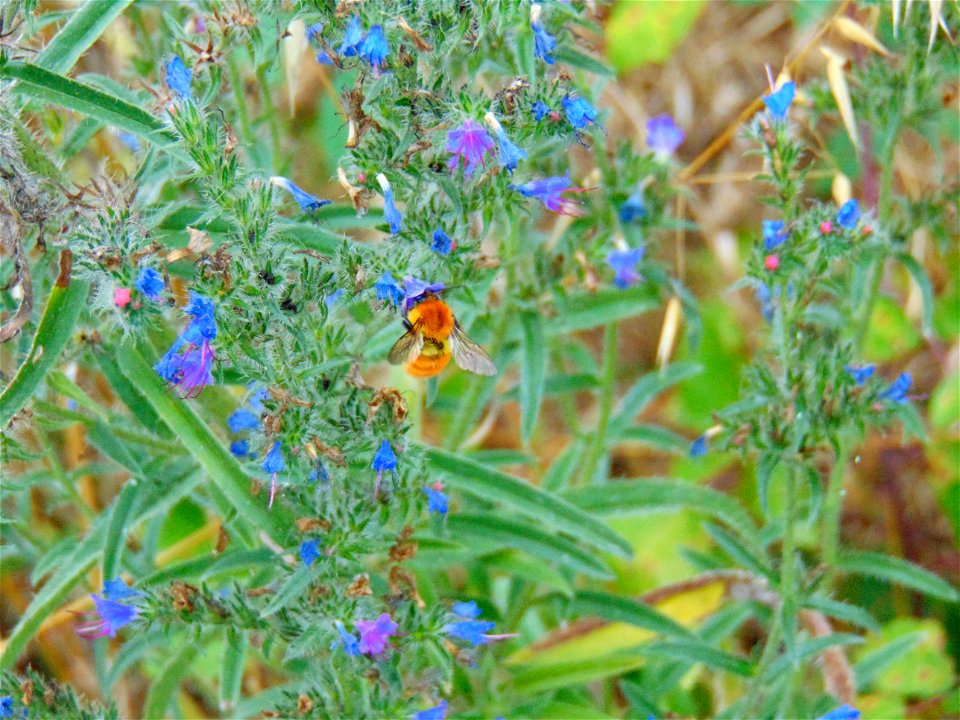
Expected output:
(860, 374)
(390, 212)
(6, 707)
(663, 135)
(767, 300)
(549, 192)
(468, 143)
(313, 30)
(698, 448)
(331, 299)
(633, 208)
(510, 154)
(274, 463)
(844, 712)
(414, 289)
(349, 642)
(309, 551)
(241, 420)
(323, 57)
(256, 398)
(240, 449)
(178, 78)
(117, 589)
(383, 461)
(130, 140)
(471, 631)
(308, 203)
(778, 102)
(112, 616)
(389, 289)
(579, 112)
(352, 38)
(203, 325)
(189, 372)
(441, 242)
(435, 713)
(543, 42)
(374, 48)
(897, 392)
(774, 233)
(150, 283)
(466, 609)
(624, 263)
(539, 109)
(849, 214)
(436, 501)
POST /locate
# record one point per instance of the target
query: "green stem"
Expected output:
(271, 114)
(770, 650)
(599, 444)
(831, 512)
(788, 561)
(236, 82)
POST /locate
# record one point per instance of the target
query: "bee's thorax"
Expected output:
(436, 319)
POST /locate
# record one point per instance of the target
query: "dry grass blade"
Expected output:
(841, 93)
(855, 32)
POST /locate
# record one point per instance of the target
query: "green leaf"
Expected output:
(162, 689)
(871, 665)
(520, 565)
(502, 532)
(926, 289)
(645, 390)
(562, 468)
(56, 326)
(115, 538)
(574, 57)
(577, 671)
(842, 611)
(223, 469)
(656, 437)
(588, 310)
(231, 672)
(898, 571)
(533, 369)
(46, 86)
(755, 562)
(545, 507)
(621, 609)
(626, 497)
(697, 651)
(292, 590)
(86, 24)
(807, 649)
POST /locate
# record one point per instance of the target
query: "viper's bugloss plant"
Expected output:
(296, 193)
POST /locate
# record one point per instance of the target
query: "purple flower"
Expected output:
(699, 448)
(663, 135)
(351, 646)
(189, 372)
(543, 42)
(150, 283)
(178, 78)
(374, 48)
(778, 102)
(112, 616)
(436, 501)
(414, 289)
(549, 192)
(117, 589)
(308, 203)
(352, 38)
(624, 264)
(468, 142)
(849, 214)
(435, 713)
(579, 112)
(466, 609)
(844, 712)
(374, 634)
(860, 374)
(390, 212)
(633, 208)
(897, 392)
(383, 461)
(240, 449)
(309, 551)
(241, 420)
(388, 289)
(273, 464)
(539, 109)
(774, 233)
(441, 242)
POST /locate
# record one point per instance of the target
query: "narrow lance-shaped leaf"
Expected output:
(533, 370)
(645, 390)
(621, 609)
(896, 570)
(545, 507)
(83, 28)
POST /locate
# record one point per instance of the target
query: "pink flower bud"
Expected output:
(771, 262)
(825, 227)
(121, 297)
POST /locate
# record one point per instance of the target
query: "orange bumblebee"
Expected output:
(433, 335)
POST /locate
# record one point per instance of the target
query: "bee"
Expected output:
(433, 335)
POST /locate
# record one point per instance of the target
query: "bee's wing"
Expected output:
(408, 347)
(468, 354)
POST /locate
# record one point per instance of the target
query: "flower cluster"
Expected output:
(186, 365)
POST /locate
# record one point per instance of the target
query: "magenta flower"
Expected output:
(468, 142)
(549, 192)
(374, 634)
